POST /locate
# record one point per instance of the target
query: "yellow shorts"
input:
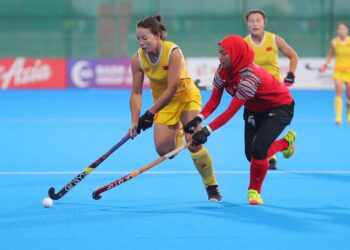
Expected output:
(170, 114)
(342, 75)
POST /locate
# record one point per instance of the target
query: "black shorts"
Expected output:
(283, 114)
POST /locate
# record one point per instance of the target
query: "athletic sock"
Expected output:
(277, 146)
(258, 170)
(338, 106)
(348, 110)
(203, 163)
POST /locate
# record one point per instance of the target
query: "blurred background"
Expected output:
(106, 28)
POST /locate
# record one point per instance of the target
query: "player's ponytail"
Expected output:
(154, 23)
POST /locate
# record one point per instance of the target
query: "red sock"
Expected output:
(258, 170)
(277, 146)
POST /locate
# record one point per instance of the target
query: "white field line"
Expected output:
(113, 120)
(61, 120)
(174, 172)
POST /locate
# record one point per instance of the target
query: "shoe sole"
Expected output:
(214, 200)
(255, 202)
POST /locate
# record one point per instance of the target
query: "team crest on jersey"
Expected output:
(166, 67)
(268, 49)
(147, 69)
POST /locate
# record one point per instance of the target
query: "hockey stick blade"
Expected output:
(96, 196)
(309, 67)
(86, 171)
(52, 194)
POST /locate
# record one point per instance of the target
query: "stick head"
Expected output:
(96, 196)
(307, 66)
(53, 195)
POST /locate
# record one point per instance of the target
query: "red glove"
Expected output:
(323, 68)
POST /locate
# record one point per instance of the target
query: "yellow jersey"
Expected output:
(342, 54)
(158, 73)
(266, 54)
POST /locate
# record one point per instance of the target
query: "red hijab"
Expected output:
(241, 53)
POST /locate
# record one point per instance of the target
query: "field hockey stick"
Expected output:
(197, 82)
(86, 171)
(309, 67)
(97, 193)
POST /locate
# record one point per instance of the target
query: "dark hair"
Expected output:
(255, 11)
(154, 24)
(343, 23)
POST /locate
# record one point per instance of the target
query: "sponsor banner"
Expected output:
(309, 78)
(204, 68)
(33, 73)
(101, 73)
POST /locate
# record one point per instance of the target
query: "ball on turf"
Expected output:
(47, 202)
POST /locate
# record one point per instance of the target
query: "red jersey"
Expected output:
(255, 85)
(249, 84)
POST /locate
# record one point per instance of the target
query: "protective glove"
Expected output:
(200, 137)
(145, 121)
(191, 125)
(289, 79)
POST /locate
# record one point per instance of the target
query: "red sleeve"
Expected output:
(213, 102)
(234, 106)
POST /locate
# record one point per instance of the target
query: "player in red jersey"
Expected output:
(268, 109)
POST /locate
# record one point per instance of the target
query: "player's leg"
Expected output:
(348, 101)
(167, 133)
(268, 131)
(249, 133)
(165, 138)
(268, 128)
(201, 157)
(338, 101)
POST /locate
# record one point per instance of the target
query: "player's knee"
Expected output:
(248, 156)
(163, 150)
(259, 151)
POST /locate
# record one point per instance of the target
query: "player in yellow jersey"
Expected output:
(340, 48)
(266, 46)
(176, 98)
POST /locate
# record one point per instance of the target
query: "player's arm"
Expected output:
(136, 93)
(224, 117)
(201, 136)
(174, 72)
(210, 106)
(208, 109)
(212, 103)
(290, 53)
(246, 89)
(329, 57)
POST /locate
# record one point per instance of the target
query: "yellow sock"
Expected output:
(348, 109)
(338, 106)
(202, 161)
